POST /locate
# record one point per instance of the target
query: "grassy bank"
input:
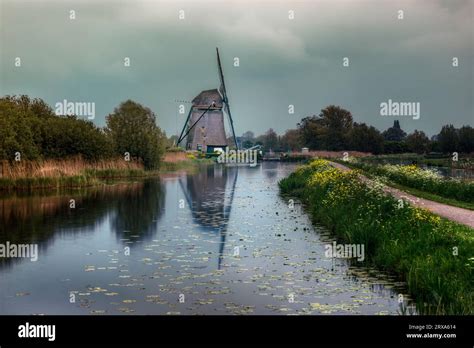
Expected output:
(75, 172)
(411, 176)
(410, 242)
(465, 161)
(414, 191)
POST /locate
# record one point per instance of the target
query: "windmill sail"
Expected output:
(221, 78)
(204, 127)
(225, 100)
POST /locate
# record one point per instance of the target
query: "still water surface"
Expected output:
(219, 241)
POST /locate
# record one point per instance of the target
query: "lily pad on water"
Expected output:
(97, 311)
(129, 301)
(21, 294)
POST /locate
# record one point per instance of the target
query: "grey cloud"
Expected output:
(282, 62)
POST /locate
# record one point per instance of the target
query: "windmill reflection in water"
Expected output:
(210, 194)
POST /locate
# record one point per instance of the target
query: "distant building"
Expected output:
(394, 133)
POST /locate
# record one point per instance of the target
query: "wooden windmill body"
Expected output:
(209, 132)
(204, 128)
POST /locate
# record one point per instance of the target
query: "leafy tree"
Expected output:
(248, 135)
(365, 138)
(17, 125)
(466, 139)
(395, 147)
(247, 139)
(31, 128)
(448, 139)
(337, 122)
(418, 142)
(132, 128)
(291, 140)
(70, 136)
(269, 140)
(312, 133)
(327, 131)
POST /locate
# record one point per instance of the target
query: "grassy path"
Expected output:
(459, 215)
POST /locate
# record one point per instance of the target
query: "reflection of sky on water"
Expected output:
(181, 250)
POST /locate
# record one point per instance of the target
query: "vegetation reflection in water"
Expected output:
(220, 241)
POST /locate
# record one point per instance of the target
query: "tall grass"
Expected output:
(71, 172)
(62, 167)
(76, 172)
(410, 242)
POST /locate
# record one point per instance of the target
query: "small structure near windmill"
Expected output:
(204, 127)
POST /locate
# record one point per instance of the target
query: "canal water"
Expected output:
(219, 241)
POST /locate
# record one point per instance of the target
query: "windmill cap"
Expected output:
(209, 97)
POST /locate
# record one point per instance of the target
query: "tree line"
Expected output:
(30, 130)
(334, 130)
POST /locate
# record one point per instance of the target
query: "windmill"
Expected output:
(204, 127)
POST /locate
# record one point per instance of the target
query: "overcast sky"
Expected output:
(282, 61)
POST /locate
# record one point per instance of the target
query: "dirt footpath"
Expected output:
(460, 215)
